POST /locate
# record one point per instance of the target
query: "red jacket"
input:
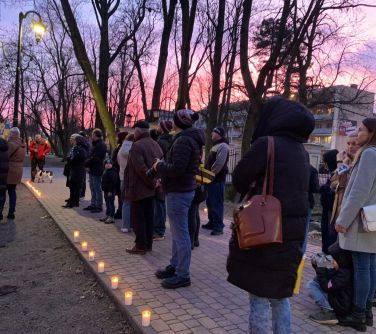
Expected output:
(43, 149)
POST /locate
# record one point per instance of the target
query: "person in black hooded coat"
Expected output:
(4, 166)
(269, 273)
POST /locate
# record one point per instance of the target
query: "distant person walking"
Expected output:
(16, 155)
(360, 192)
(140, 187)
(39, 148)
(217, 163)
(4, 167)
(178, 178)
(94, 165)
(269, 273)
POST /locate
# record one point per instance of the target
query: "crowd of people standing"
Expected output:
(153, 175)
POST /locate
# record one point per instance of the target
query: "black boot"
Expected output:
(369, 315)
(356, 319)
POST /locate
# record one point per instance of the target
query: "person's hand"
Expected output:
(340, 229)
(158, 183)
(157, 161)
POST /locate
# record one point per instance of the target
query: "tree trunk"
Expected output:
(188, 19)
(104, 64)
(216, 76)
(163, 55)
(83, 60)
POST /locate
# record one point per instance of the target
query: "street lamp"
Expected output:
(39, 29)
(128, 118)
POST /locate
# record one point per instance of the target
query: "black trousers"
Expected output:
(142, 217)
(34, 164)
(194, 222)
(74, 193)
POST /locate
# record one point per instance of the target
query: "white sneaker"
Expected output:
(125, 230)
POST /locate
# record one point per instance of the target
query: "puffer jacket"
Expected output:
(96, 158)
(182, 161)
(271, 271)
(16, 153)
(4, 164)
(76, 161)
(42, 148)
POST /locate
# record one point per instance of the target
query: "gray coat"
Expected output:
(360, 192)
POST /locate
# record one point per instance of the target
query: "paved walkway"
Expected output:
(209, 305)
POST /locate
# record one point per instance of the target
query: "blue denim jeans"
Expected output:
(364, 278)
(177, 211)
(110, 205)
(96, 191)
(260, 315)
(304, 246)
(160, 217)
(12, 198)
(318, 295)
(214, 202)
(126, 214)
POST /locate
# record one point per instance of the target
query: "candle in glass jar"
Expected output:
(101, 267)
(76, 236)
(128, 296)
(91, 256)
(146, 317)
(114, 282)
(84, 246)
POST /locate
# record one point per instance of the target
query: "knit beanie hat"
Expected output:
(220, 131)
(166, 126)
(184, 118)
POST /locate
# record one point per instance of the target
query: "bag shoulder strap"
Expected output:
(269, 173)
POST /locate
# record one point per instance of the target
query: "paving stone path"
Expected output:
(209, 305)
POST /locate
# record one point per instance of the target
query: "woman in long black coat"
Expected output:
(269, 273)
(77, 170)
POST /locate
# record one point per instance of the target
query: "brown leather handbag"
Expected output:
(258, 221)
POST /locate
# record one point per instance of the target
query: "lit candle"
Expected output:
(101, 267)
(91, 256)
(114, 282)
(206, 210)
(128, 296)
(76, 236)
(146, 316)
(84, 246)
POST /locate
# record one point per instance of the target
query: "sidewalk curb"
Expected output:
(131, 313)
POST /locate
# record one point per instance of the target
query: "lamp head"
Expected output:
(39, 28)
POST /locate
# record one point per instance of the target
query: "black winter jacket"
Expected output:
(182, 161)
(96, 158)
(165, 141)
(271, 271)
(109, 180)
(76, 162)
(338, 284)
(4, 164)
(314, 186)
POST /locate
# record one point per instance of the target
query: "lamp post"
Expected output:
(128, 118)
(39, 29)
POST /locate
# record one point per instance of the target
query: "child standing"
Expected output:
(109, 182)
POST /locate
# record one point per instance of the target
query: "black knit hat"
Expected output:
(220, 131)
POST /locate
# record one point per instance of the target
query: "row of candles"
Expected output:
(128, 294)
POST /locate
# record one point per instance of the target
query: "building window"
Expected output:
(331, 110)
(327, 139)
